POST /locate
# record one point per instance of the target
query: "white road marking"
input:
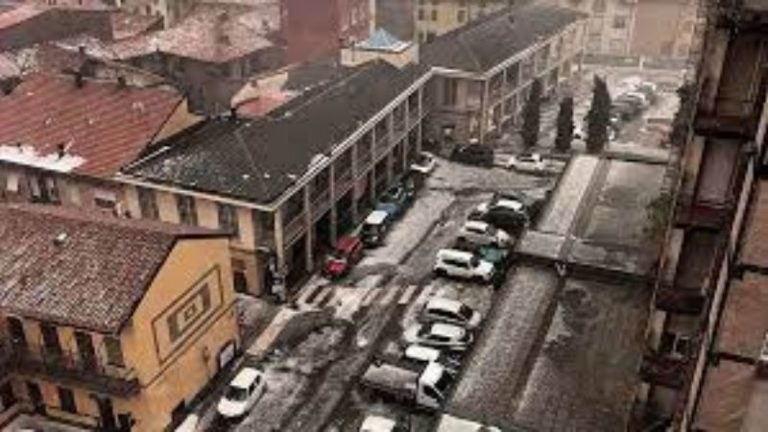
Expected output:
(306, 293)
(370, 295)
(427, 292)
(407, 294)
(326, 292)
(389, 295)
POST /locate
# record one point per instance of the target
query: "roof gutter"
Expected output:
(134, 181)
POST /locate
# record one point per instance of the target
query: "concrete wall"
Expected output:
(663, 28)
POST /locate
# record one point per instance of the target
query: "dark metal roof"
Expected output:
(258, 160)
(483, 44)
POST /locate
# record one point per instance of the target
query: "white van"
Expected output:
(243, 392)
(461, 264)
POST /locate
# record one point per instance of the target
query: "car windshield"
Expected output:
(442, 384)
(425, 331)
(237, 394)
(371, 229)
(465, 311)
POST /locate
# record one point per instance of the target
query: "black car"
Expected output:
(513, 222)
(473, 154)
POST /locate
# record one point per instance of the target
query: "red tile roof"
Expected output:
(745, 321)
(211, 32)
(125, 25)
(725, 397)
(105, 125)
(94, 277)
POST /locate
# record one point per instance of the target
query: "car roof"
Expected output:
(453, 253)
(347, 242)
(476, 224)
(449, 330)
(421, 352)
(376, 423)
(443, 303)
(433, 372)
(245, 377)
(376, 217)
(513, 204)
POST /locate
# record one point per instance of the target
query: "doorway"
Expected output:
(107, 421)
(36, 398)
(85, 349)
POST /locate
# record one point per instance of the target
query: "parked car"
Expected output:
(243, 392)
(439, 309)
(465, 265)
(504, 213)
(425, 163)
(532, 200)
(378, 423)
(421, 355)
(500, 258)
(375, 228)
(649, 89)
(426, 387)
(348, 251)
(438, 335)
(527, 162)
(625, 110)
(483, 233)
(473, 154)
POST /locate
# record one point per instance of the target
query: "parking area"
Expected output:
(543, 341)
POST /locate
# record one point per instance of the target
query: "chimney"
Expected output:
(121, 82)
(60, 239)
(61, 150)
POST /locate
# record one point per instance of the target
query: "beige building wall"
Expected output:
(664, 28)
(435, 17)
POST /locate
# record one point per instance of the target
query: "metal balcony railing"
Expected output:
(293, 228)
(92, 374)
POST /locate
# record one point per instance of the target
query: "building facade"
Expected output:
(285, 207)
(481, 86)
(433, 18)
(319, 28)
(704, 339)
(650, 28)
(158, 324)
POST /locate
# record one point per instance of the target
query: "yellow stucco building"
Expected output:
(435, 17)
(110, 323)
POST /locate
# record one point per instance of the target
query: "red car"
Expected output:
(348, 251)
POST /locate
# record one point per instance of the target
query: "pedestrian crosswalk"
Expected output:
(348, 300)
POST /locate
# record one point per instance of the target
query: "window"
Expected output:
(449, 91)
(114, 351)
(186, 208)
(598, 6)
(148, 204)
(434, 15)
(7, 398)
(104, 199)
(620, 21)
(420, 15)
(228, 219)
(50, 339)
(16, 330)
(67, 400)
(461, 16)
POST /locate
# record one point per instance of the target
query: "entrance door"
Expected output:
(36, 397)
(106, 414)
(86, 350)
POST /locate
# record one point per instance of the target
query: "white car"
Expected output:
(452, 312)
(462, 264)
(243, 392)
(502, 203)
(422, 355)
(439, 335)
(378, 423)
(425, 163)
(527, 162)
(482, 233)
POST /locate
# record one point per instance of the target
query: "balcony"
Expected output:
(321, 202)
(72, 369)
(293, 228)
(364, 162)
(680, 300)
(664, 371)
(343, 182)
(382, 144)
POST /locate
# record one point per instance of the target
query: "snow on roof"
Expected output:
(376, 217)
(444, 303)
(27, 155)
(421, 352)
(453, 253)
(375, 423)
(476, 224)
(448, 330)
